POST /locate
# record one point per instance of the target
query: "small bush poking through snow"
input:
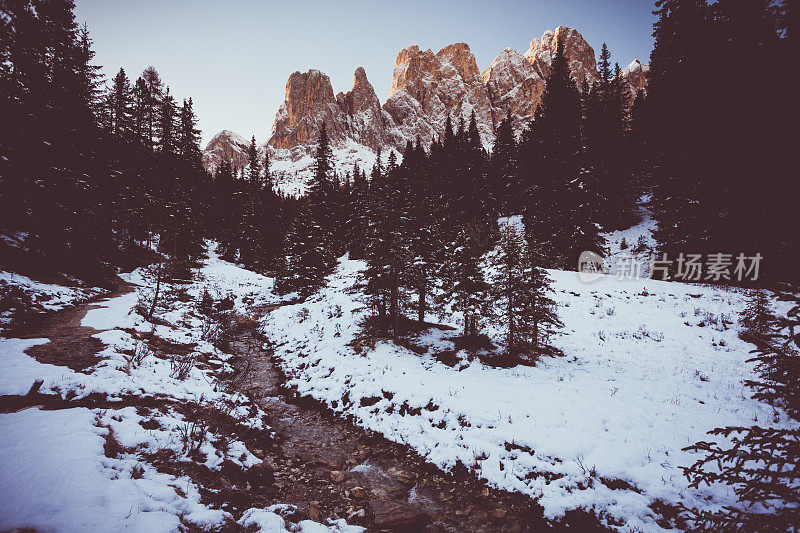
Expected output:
(182, 365)
(135, 357)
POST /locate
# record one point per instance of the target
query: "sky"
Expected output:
(234, 57)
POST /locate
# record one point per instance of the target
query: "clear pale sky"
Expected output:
(234, 57)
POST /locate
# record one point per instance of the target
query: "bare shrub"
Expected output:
(209, 329)
(643, 333)
(181, 365)
(193, 435)
(240, 378)
(134, 358)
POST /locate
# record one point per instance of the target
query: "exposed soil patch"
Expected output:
(71, 344)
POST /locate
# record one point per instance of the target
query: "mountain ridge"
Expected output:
(426, 88)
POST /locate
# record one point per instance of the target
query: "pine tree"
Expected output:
(358, 221)
(757, 317)
(194, 183)
(422, 225)
(311, 247)
(504, 170)
(152, 102)
(227, 210)
(271, 221)
(538, 319)
(309, 257)
(321, 190)
(167, 124)
(120, 107)
(387, 250)
(508, 287)
(188, 144)
(607, 155)
(761, 464)
(251, 223)
(519, 292)
(465, 288)
(558, 206)
(604, 65)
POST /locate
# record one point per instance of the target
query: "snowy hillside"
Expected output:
(124, 445)
(292, 170)
(649, 368)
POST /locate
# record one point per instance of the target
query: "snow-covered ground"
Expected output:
(292, 172)
(649, 368)
(630, 249)
(55, 471)
(44, 297)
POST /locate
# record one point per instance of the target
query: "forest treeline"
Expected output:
(96, 172)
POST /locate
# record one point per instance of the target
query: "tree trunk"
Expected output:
(394, 309)
(382, 315)
(155, 296)
(511, 330)
(421, 304)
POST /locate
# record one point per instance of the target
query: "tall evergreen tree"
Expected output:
(251, 221)
(504, 170)
(607, 155)
(358, 220)
(520, 296)
(464, 287)
(311, 248)
(558, 207)
(120, 107)
(387, 251)
(227, 211)
(308, 255)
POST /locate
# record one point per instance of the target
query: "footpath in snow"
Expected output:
(119, 450)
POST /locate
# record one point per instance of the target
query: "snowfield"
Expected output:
(56, 472)
(649, 368)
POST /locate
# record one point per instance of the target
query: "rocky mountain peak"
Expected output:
(516, 82)
(579, 54)
(426, 88)
(635, 75)
(460, 56)
(309, 102)
(226, 145)
(362, 113)
(514, 87)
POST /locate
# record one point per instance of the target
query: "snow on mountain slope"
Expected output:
(292, 174)
(630, 250)
(427, 87)
(649, 368)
